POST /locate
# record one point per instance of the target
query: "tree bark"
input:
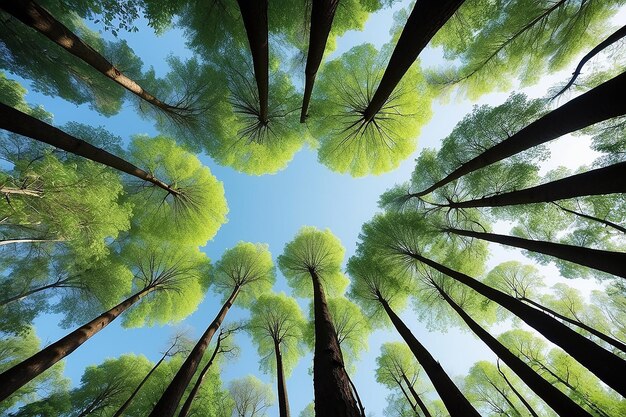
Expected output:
(427, 17)
(19, 375)
(356, 394)
(36, 17)
(602, 260)
(558, 401)
(605, 365)
(417, 398)
(333, 395)
(283, 399)
(168, 403)
(23, 124)
(516, 392)
(322, 16)
(126, 404)
(254, 14)
(599, 104)
(455, 402)
(601, 181)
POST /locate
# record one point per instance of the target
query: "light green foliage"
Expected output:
(179, 276)
(397, 406)
(395, 362)
(350, 144)
(313, 250)
(194, 216)
(491, 40)
(612, 306)
(516, 279)
(247, 266)
(308, 411)
(277, 319)
(13, 350)
(251, 396)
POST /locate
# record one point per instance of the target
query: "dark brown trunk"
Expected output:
(418, 399)
(283, 399)
(601, 181)
(168, 403)
(126, 404)
(455, 402)
(602, 260)
(592, 218)
(356, 394)
(184, 411)
(602, 103)
(17, 376)
(333, 395)
(254, 14)
(613, 342)
(35, 16)
(23, 124)
(427, 17)
(614, 37)
(605, 365)
(322, 15)
(558, 401)
(516, 392)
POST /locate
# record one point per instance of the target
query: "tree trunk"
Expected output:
(333, 395)
(322, 15)
(614, 37)
(455, 402)
(168, 403)
(605, 365)
(599, 104)
(516, 392)
(35, 16)
(427, 17)
(26, 240)
(254, 14)
(601, 181)
(184, 411)
(356, 394)
(283, 399)
(417, 398)
(20, 191)
(592, 218)
(558, 401)
(602, 260)
(413, 406)
(23, 124)
(126, 404)
(20, 374)
(25, 294)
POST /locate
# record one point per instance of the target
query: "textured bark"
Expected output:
(516, 392)
(601, 181)
(283, 399)
(602, 260)
(333, 394)
(601, 103)
(427, 17)
(254, 14)
(35, 16)
(605, 365)
(322, 15)
(558, 401)
(417, 398)
(17, 376)
(23, 124)
(455, 402)
(168, 403)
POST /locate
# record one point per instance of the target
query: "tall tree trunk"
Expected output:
(27, 240)
(516, 392)
(558, 401)
(408, 399)
(322, 15)
(356, 394)
(333, 395)
(283, 399)
(184, 411)
(605, 365)
(455, 402)
(601, 181)
(418, 399)
(35, 16)
(599, 104)
(17, 376)
(602, 260)
(592, 218)
(32, 291)
(168, 403)
(126, 404)
(427, 17)
(605, 338)
(23, 124)
(254, 14)
(614, 37)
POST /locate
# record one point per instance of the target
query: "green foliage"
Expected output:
(348, 142)
(313, 250)
(251, 396)
(395, 362)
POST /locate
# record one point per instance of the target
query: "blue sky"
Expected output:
(271, 209)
